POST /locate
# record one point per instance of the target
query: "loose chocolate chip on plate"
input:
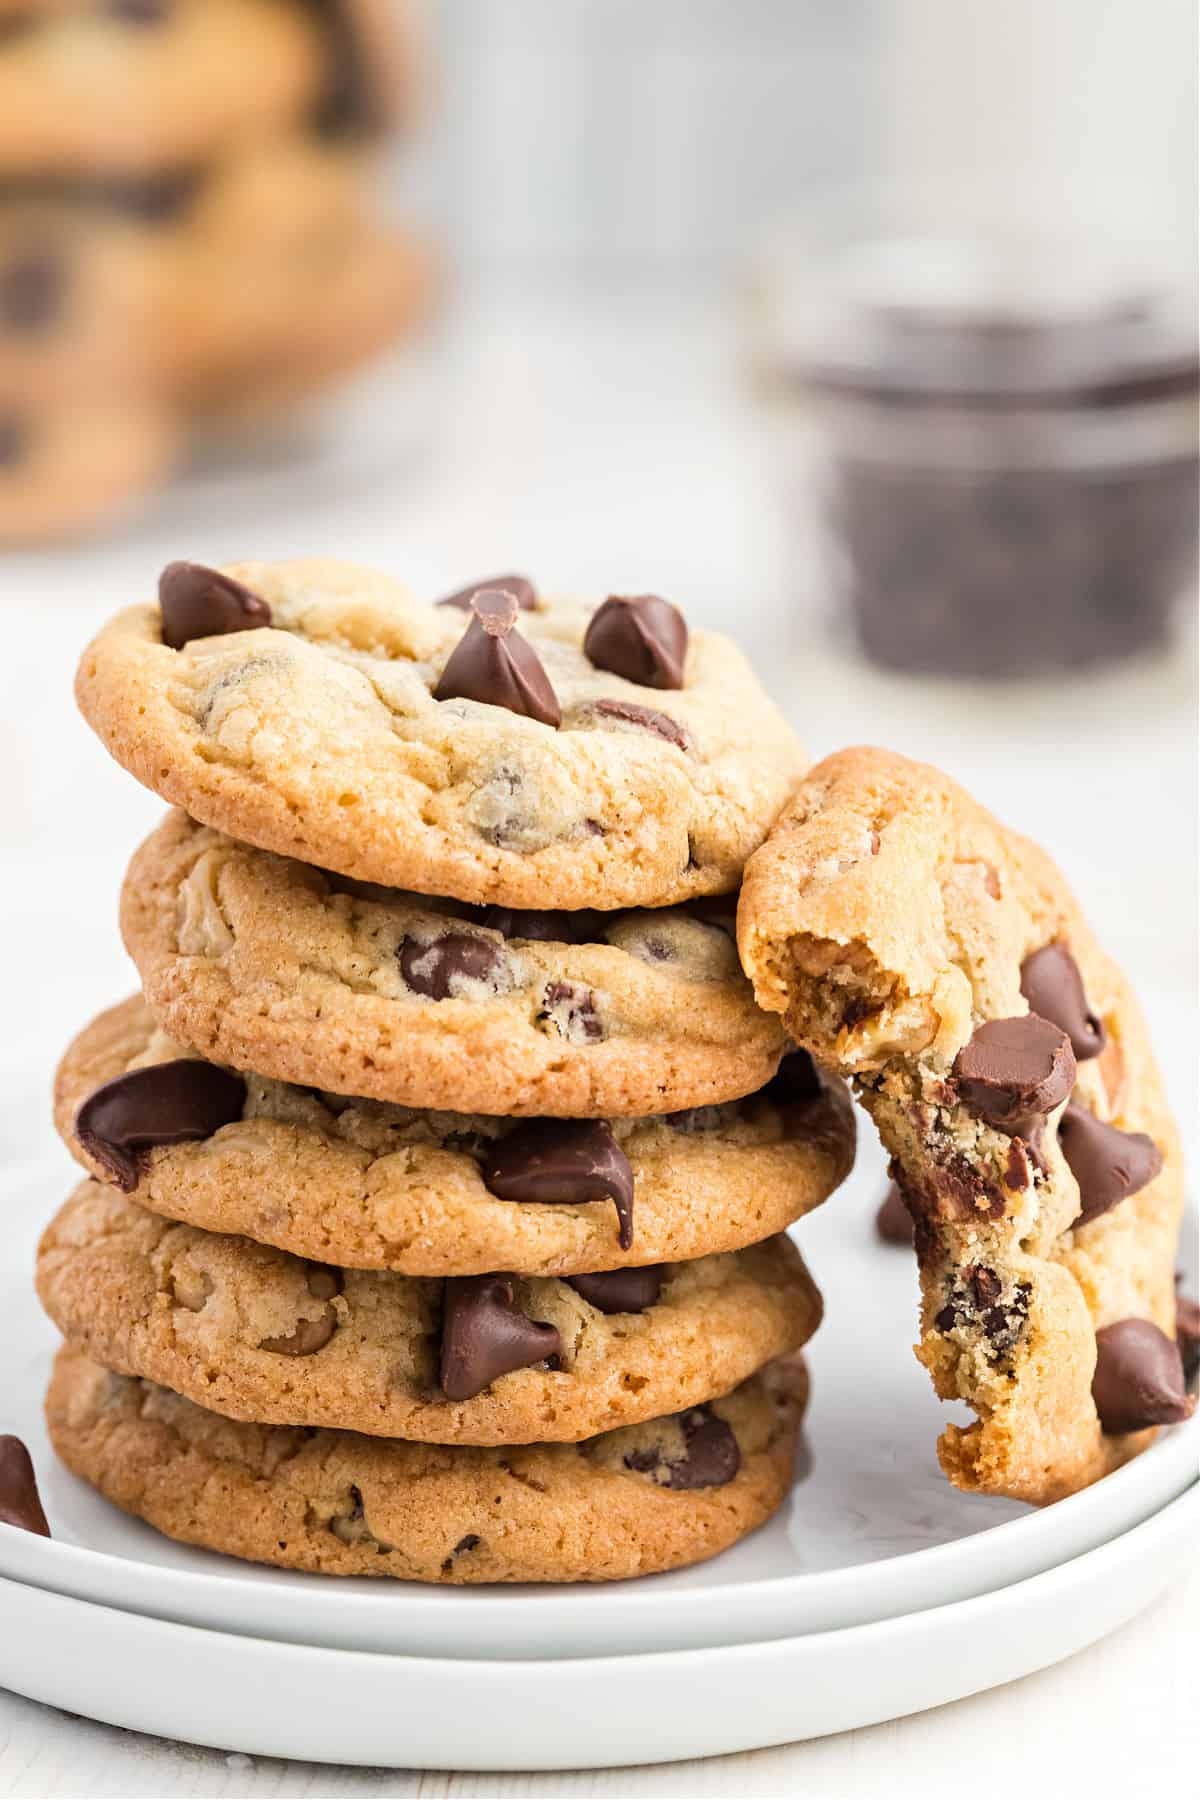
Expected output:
(486, 1335)
(628, 712)
(494, 664)
(1187, 1333)
(1108, 1164)
(166, 1103)
(893, 1221)
(1013, 1072)
(519, 586)
(643, 638)
(33, 286)
(1053, 986)
(563, 1162)
(621, 1290)
(197, 602)
(20, 1502)
(711, 1456)
(1139, 1377)
(438, 967)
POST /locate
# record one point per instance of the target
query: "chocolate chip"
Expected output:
(20, 1503)
(1053, 986)
(1108, 1164)
(893, 1221)
(1013, 1072)
(644, 639)
(14, 440)
(975, 1302)
(311, 1335)
(166, 1103)
(494, 664)
(485, 1335)
(519, 586)
(621, 1290)
(571, 1009)
(472, 1541)
(1139, 1377)
(139, 12)
(33, 287)
(152, 198)
(197, 602)
(563, 1162)
(539, 927)
(711, 1456)
(1187, 1333)
(438, 967)
(628, 712)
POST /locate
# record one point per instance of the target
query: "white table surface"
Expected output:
(607, 448)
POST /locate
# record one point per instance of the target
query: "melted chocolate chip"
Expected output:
(519, 586)
(1053, 986)
(571, 1009)
(494, 664)
(1139, 1378)
(33, 287)
(628, 712)
(14, 440)
(975, 1302)
(893, 1221)
(1014, 1072)
(644, 639)
(20, 1502)
(438, 967)
(197, 602)
(621, 1290)
(1108, 1164)
(1187, 1333)
(486, 1335)
(166, 1103)
(563, 1162)
(711, 1456)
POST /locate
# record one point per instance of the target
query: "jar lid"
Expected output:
(996, 321)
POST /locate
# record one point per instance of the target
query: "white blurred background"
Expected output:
(602, 177)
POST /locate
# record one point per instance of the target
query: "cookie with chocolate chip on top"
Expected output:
(641, 1498)
(272, 965)
(364, 1184)
(938, 960)
(499, 1358)
(517, 751)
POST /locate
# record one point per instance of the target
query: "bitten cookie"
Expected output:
(163, 83)
(490, 1359)
(363, 1184)
(272, 965)
(940, 961)
(648, 1497)
(515, 751)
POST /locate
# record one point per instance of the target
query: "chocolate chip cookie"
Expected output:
(643, 1498)
(482, 1359)
(524, 755)
(71, 462)
(130, 85)
(363, 1184)
(270, 964)
(939, 960)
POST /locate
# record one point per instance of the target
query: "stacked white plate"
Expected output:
(878, 1591)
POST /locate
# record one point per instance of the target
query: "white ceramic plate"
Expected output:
(346, 1706)
(872, 1530)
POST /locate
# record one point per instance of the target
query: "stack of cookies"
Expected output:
(440, 1173)
(188, 230)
